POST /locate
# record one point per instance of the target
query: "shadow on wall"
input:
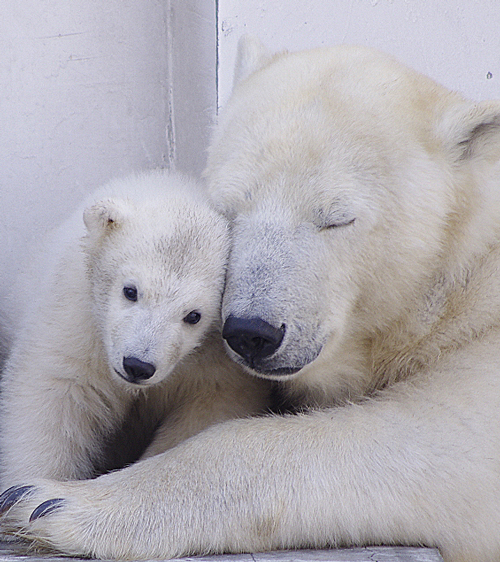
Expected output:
(5, 340)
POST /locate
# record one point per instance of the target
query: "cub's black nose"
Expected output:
(252, 338)
(137, 370)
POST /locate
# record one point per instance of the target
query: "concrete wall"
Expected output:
(84, 97)
(454, 41)
(193, 52)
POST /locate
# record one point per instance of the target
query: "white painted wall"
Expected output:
(91, 89)
(454, 41)
(83, 97)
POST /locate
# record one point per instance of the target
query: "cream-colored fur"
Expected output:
(365, 206)
(68, 409)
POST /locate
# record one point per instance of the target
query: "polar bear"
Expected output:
(112, 352)
(364, 280)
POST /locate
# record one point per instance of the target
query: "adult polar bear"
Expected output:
(365, 278)
(105, 351)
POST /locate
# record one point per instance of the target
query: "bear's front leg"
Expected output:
(55, 423)
(371, 474)
(227, 489)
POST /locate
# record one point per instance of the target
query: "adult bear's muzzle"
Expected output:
(252, 338)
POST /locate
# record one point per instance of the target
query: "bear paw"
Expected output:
(54, 523)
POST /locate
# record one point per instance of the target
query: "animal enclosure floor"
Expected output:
(9, 553)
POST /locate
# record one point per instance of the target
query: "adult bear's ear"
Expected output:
(251, 56)
(472, 131)
(103, 216)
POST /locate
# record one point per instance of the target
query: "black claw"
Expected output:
(12, 496)
(46, 507)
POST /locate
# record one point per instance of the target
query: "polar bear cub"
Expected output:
(103, 361)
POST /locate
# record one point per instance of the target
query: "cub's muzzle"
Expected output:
(137, 370)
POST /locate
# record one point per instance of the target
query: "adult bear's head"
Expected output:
(347, 179)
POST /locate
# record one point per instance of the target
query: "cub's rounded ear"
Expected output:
(472, 130)
(251, 56)
(103, 216)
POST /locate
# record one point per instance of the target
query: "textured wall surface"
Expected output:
(83, 98)
(453, 41)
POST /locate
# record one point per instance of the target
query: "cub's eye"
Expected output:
(192, 318)
(130, 293)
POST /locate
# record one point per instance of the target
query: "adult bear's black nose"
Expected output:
(252, 338)
(137, 370)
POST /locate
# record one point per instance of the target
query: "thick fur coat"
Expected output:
(119, 333)
(364, 277)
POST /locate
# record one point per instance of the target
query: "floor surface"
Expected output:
(8, 553)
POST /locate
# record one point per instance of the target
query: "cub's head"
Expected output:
(349, 182)
(156, 258)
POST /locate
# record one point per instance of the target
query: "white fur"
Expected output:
(68, 410)
(364, 201)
